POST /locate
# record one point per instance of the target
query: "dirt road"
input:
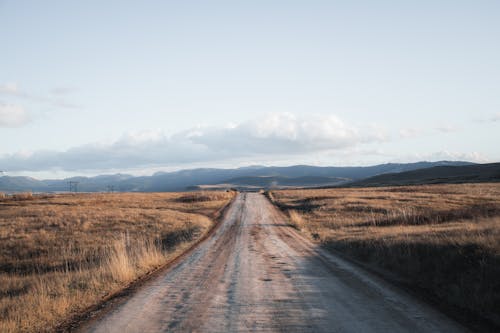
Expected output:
(257, 274)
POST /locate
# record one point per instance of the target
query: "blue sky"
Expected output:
(137, 86)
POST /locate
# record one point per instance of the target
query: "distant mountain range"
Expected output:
(474, 173)
(246, 177)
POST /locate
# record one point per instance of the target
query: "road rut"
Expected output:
(257, 274)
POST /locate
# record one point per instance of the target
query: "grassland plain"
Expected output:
(60, 254)
(440, 240)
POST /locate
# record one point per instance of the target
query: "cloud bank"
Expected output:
(280, 134)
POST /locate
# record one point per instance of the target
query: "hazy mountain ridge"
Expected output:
(272, 181)
(297, 175)
(476, 173)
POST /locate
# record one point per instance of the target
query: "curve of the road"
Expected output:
(256, 274)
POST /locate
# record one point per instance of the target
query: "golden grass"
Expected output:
(296, 219)
(444, 239)
(60, 254)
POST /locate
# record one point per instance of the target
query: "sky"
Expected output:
(93, 87)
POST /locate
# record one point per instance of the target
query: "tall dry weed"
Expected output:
(149, 254)
(296, 219)
(119, 262)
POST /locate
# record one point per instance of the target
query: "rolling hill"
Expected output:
(476, 173)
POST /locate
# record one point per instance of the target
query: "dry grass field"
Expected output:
(60, 254)
(441, 240)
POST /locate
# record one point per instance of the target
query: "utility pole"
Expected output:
(73, 186)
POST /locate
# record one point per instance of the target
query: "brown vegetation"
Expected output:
(443, 240)
(60, 254)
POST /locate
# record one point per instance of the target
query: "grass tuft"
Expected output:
(296, 219)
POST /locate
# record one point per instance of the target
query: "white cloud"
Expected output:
(460, 156)
(447, 156)
(280, 134)
(12, 115)
(286, 133)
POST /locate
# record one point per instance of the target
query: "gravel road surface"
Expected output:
(257, 274)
